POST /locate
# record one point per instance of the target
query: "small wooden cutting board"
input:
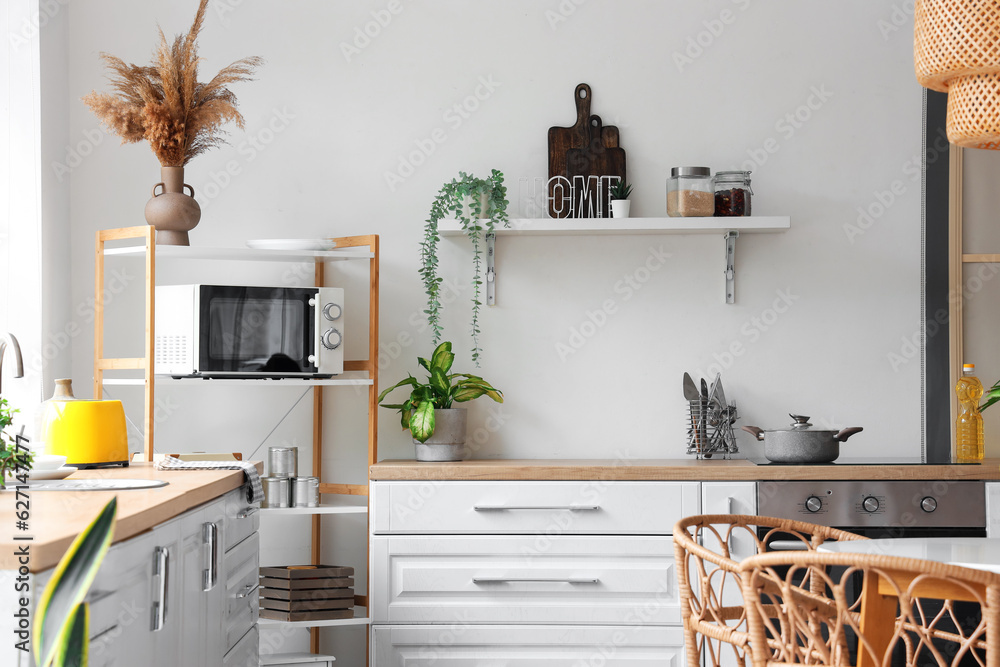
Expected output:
(564, 139)
(585, 168)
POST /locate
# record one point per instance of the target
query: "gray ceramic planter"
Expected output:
(447, 443)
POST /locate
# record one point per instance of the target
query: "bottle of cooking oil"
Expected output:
(969, 425)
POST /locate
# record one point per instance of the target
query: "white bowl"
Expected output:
(48, 462)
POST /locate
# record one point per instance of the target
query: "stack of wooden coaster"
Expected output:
(307, 592)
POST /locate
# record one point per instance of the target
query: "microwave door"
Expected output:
(255, 332)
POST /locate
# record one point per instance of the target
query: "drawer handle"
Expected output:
(247, 513)
(564, 508)
(539, 580)
(247, 591)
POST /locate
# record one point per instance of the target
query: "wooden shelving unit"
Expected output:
(357, 372)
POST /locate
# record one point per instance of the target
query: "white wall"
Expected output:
(324, 129)
(342, 125)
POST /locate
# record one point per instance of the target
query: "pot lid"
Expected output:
(801, 423)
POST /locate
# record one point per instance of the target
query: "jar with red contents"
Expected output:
(732, 193)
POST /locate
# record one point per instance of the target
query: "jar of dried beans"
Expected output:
(689, 192)
(732, 193)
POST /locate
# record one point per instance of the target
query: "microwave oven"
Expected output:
(225, 331)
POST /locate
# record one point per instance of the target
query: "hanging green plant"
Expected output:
(466, 199)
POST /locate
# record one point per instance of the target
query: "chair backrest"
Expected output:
(708, 575)
(909, 607)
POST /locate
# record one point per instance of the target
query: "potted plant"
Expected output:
(478, 204)
(165, 104)
(12, 458)
(438, 429)
(619, 199)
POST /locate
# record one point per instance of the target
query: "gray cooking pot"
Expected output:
(801, 443)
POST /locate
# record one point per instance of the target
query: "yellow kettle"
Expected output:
(89, 434)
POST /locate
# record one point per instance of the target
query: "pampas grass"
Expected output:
(165, 104)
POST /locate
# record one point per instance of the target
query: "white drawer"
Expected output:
(241, 520)
(242, 567)
(559, 508)
(521, 646)
(245, 653)
(523, 579)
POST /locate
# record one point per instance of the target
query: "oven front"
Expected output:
(885, 510)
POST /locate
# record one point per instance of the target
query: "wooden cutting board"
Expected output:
(585, 166)
(563, 139)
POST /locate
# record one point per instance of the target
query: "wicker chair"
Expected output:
(896, 613)
(709, 580)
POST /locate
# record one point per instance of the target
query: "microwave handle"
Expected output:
(317, 304)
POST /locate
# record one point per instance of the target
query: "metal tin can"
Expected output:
(283, 461)
(305, 492)
(277, 491)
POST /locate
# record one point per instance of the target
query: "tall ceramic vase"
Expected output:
(172, 212)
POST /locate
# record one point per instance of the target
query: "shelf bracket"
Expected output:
(731, 237)
(491, 274)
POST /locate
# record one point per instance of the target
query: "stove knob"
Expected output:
(928, 504)
(331, 339)
(332, 311)
(814, 504)
(870, 504)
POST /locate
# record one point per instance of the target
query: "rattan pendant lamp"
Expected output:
(956, 50)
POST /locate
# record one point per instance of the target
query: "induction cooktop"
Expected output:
(862, 461)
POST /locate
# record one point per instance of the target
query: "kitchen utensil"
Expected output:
(277, 491)
(692, 396)
(283, 461)
(702, 431)
(89, 434)
(690, 390)
(801, 442)
(585, 168)
(562, 139)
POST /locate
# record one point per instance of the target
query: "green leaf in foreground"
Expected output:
(69, 585)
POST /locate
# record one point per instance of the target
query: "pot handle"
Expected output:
(757, 431)
(847, 433)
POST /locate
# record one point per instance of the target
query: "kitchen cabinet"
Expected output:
(525, 572)
(466, 645)
(732, 498)
(167, 596)
(240, 601)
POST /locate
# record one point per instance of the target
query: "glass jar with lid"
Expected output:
(690, 193)
(732, 193)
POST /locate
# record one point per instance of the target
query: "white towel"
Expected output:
(255, 492)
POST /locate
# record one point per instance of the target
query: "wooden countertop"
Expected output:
(57, 517)
(669, 469)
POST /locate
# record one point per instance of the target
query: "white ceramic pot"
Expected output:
(619, 208)
(447, 443)
(484, 205)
